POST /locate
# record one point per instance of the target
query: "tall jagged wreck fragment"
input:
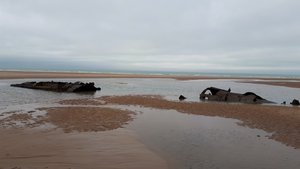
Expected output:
(216, 94)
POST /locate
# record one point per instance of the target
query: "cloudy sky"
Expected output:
(153, 35)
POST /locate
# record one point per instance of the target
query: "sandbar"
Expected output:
(282, 122)
(56, 75)
(52, 75)
(292, 84)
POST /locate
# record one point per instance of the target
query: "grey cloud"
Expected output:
(193, 35)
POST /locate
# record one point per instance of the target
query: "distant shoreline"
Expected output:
(287, 82)
(166, 73)
(24, 74)
(50, 75)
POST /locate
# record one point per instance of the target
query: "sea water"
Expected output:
(169, 88)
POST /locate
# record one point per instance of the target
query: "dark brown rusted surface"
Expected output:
(216, 94)
(59, 86)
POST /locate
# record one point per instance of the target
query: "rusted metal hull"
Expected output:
(59, 86)
(216, 94)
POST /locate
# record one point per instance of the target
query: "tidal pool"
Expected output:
(201, 142)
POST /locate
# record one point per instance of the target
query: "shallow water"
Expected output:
(171, 89)
(200, 142)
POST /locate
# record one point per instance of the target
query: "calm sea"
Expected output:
(171, 89)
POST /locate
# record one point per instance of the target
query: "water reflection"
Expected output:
(193, 142)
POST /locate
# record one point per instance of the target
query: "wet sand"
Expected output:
(84, 135)
(72, 137)
(283, 122)
(276, 83)
(86, 119)
(118, 149)
(31, 75)
(53, 75)
(69, 119)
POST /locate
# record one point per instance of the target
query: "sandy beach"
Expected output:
(73, 140)
(65, 145)
(284, 83)
(31, 75)
(91, 132)
(54, 75)
(118, 149)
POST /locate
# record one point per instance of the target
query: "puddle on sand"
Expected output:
(194, 141)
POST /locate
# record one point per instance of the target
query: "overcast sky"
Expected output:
(161, 35)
